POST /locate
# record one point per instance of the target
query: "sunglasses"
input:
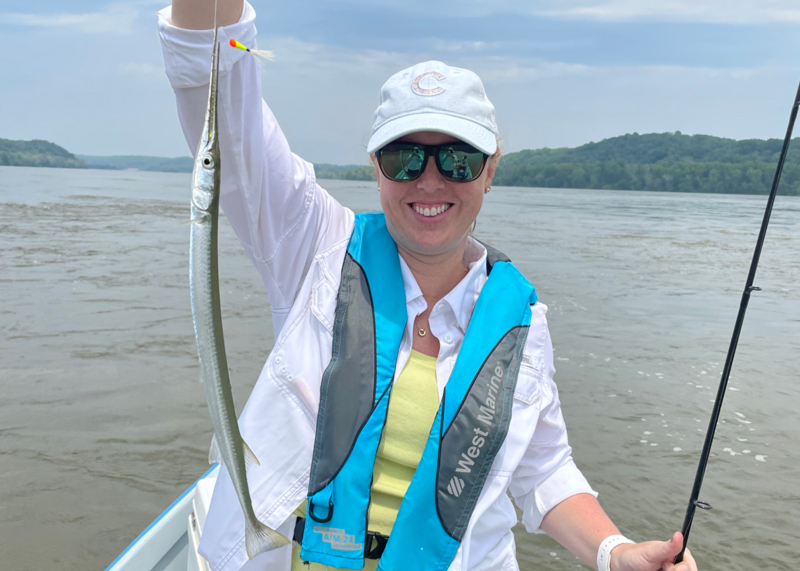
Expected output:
(457, 162)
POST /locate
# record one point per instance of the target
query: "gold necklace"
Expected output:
(421, 331)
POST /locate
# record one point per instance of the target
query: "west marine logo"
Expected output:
(456, 486)
(339, 539)
(486, 415)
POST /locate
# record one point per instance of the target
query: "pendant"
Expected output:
(421, 332)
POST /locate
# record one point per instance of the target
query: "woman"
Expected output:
(374, 316)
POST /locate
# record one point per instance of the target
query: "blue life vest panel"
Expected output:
(468, 431)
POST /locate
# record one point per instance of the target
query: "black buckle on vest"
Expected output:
(315, 518)
(375, 548)
(299, 530)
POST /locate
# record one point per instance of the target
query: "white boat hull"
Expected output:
(170, 542)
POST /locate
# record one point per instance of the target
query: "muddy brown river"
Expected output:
(103, 421)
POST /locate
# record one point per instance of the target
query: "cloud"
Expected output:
(297, 56)
(559, 80)
(141, 69)
(113, 19)
(442, 45)
(341, 65)
(743, 12)
(324, 96)
(519, 71)
(685, 11)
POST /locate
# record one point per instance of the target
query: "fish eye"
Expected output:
(208, 161)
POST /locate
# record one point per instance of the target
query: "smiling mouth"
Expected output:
(430, 210)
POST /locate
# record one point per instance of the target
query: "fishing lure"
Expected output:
(262, 56)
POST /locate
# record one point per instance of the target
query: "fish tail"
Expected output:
(259, 538)
(214, 455)
(249, 456)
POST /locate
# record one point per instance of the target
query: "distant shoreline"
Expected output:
(664, 162)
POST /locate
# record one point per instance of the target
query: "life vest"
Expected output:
(470, 425)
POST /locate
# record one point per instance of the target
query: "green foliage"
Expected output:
(660, 148)
(670, 162)
(737, 178)
(37, 153)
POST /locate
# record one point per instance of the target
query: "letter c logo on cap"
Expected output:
(415, 87)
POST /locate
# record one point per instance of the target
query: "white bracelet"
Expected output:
(604, 552)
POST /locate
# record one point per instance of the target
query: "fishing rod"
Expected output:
(694, 503)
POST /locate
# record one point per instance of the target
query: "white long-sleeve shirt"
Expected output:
(296, 235)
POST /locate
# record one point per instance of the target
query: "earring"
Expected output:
(488, 188)
(379, 188)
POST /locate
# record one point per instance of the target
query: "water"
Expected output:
(103, 422)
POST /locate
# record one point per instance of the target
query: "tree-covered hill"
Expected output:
(37, 153)
(657, 161)
(670, 162)
(655, 148)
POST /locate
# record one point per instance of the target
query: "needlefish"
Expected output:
(227, 444)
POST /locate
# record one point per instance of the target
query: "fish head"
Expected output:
(206, 173)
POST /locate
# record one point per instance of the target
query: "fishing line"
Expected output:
(694, 503)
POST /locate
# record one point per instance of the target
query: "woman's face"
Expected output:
(403, 203)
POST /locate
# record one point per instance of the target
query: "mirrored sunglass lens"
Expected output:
(460, 164)
(402, 164)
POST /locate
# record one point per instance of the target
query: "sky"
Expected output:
(88, 74)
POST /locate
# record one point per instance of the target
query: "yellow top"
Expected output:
(413, 404)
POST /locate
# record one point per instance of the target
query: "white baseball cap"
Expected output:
(433, 96)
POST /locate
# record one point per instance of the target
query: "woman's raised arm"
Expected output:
(199, 14)
(269, 195)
